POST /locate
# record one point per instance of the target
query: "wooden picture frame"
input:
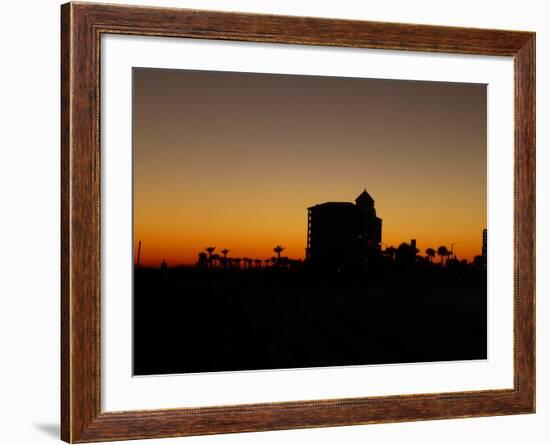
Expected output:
(82, 25)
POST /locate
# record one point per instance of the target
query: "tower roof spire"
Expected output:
(364, 199)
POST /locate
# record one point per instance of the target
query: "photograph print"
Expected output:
(290, 221)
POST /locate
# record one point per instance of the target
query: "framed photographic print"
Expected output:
(279, 222)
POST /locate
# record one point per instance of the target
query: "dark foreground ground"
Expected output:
(192, 320)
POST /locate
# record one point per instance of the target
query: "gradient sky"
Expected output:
(233, 160)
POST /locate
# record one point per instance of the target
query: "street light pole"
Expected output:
(452, 249)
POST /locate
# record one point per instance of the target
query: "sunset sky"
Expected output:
(233, 160)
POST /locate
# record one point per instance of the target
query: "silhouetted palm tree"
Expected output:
(210, 251)
(430, 253)
(258, 263)
(203, 260)
(442, 251)
(278, 249)
(267, 261)
(224, 261)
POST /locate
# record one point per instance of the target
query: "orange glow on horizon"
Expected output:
(253, 235)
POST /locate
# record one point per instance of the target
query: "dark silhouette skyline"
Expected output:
(339, 235)
(397, 307)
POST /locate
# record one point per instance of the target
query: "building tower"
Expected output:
(343, 233)
(484, 249)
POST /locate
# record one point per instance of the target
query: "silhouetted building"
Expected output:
(343, 233)
(484, 249)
